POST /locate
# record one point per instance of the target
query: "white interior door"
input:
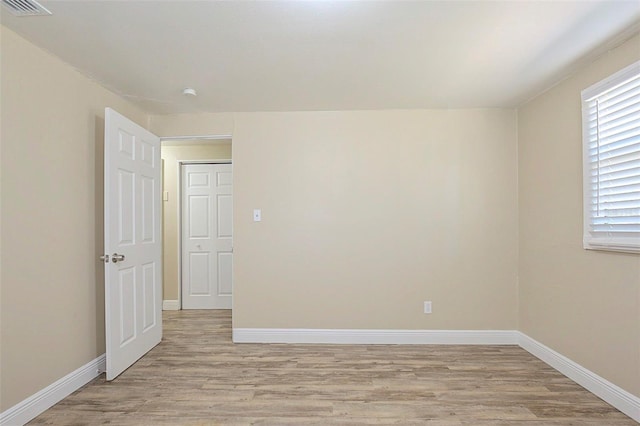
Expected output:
(132, 240)
(207, 236)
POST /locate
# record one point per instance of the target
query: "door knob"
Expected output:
(117, 258)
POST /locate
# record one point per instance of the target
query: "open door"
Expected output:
(132, 241)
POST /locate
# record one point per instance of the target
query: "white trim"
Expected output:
(186, 137)
(383, 337)
(46, 398)
(613, 394)
(219, 161)
(170, 305)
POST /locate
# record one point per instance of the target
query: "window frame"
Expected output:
(591, 239)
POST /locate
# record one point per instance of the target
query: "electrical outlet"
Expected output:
(427, 307)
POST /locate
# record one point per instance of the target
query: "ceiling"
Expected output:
(327, 55)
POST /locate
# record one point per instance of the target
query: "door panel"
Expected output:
(125, 206)
(225, 221)
(199, 274)
(225, 274)
(127, 309)
(148, 201)
(149, 292)
(133, 292)
(199, 218)
(207, 254)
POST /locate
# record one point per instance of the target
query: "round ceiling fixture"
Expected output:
(188, 91)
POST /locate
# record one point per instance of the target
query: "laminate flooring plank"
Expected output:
(198, 377)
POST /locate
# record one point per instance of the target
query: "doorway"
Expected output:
(176, 154)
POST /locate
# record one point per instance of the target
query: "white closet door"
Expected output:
(207, 236)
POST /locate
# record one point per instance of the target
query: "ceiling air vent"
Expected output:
(26, 8)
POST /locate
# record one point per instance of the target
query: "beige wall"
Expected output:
(368, 214)
(170, 208)
(205, 124)
(584, 304)
(52, 303)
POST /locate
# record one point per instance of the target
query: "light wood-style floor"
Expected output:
(196, 376)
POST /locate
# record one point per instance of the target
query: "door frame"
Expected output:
(182, 163)
(186, 138)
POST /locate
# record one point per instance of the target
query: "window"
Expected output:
(611, 146)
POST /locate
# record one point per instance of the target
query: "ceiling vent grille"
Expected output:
(26, 8)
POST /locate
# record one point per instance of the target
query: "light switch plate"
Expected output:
(257, 215)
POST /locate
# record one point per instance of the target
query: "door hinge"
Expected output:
(105, 258)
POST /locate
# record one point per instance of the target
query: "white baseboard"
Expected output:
(39, 402)
(614, 395)
(170, 305)
(384, 337)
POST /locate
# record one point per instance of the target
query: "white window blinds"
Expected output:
(611, 138)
